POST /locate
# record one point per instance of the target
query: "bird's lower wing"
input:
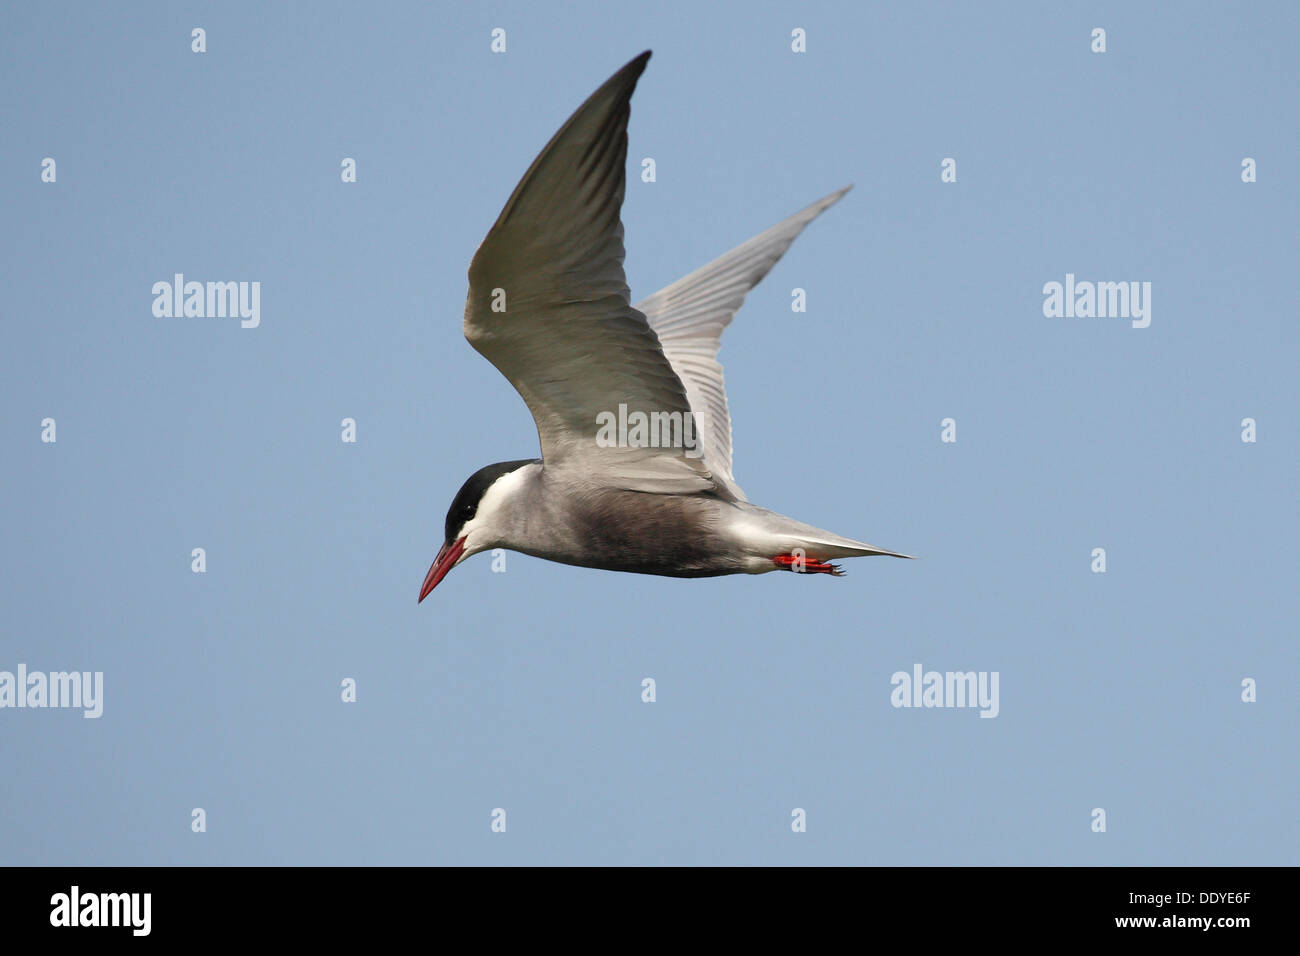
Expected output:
(690, 315)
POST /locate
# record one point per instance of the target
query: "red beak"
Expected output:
(447, 556)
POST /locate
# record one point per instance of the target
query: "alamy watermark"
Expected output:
(211, 300)
(922, 688)
(83, 689)
(1100, 300)
(648, 430)
(75, 908)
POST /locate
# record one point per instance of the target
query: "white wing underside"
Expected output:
(548, 305)
(690, 315)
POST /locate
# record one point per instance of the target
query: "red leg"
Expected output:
(801, 565)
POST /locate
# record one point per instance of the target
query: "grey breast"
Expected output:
(619, 530)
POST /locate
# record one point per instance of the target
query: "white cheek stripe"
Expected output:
(493, 503)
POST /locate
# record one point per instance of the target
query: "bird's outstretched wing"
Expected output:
(548, 306)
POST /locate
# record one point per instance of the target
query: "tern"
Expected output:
(635, 473)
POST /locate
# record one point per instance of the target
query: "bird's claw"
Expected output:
(801, 565)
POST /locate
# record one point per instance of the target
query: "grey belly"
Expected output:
(671, 535)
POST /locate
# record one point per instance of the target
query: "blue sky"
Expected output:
(522, 690)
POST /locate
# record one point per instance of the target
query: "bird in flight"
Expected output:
(635, 473)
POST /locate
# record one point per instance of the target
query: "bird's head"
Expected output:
(477, 518)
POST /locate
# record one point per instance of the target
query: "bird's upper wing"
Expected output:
(548, 306)
(689, 317)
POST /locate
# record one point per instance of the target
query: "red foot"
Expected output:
(801, 565)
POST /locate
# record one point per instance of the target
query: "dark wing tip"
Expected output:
(630, 72)
(604, 111)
